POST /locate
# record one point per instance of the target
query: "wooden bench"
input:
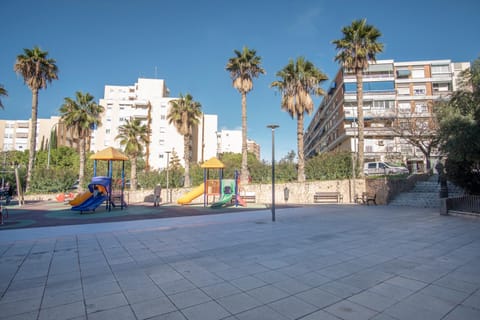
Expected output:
(327, 197)
(249, 197)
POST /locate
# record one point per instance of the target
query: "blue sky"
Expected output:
(188, 42)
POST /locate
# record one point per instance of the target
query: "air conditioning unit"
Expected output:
(380, 142)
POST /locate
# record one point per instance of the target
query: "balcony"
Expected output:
(141, 103)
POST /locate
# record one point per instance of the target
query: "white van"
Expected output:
(372, 168)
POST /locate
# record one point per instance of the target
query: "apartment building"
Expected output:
(254, 148)
(394, 93)
(231, 141)
(149, 99)
(15, 134)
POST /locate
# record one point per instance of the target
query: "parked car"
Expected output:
(373, 168)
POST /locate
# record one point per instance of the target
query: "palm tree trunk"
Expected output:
(244, 170)
(81, 171)
(33, 138)
(133, 173)
(186, 158)
(301, 158)
(361, 125)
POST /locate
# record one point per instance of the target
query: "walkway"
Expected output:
(322, 262)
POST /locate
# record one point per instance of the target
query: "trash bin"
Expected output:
(286, 194)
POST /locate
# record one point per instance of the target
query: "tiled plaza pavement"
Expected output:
(325, 262)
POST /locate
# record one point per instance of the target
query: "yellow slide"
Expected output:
(188, 197)
(80, 198)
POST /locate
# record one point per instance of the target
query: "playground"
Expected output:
(53, 213)
(103, 201)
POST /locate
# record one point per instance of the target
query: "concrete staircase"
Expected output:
(425, 194)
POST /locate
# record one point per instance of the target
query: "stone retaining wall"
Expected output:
(300, 193)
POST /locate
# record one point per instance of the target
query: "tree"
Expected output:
(79, 116)
(243, 68)
(420, 131)
(298, 81)
(184, 114)
(459, 120)
(174, 161)
(355, 50)
(3, 92)
(133, 135)
(37, 70)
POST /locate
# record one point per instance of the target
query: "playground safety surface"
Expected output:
(51, 213)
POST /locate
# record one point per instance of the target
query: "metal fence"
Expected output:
(470, 203)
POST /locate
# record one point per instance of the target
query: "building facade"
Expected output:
(149, 99)
(398, 97)
(16, 134)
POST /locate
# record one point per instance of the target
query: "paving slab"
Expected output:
(314, 262)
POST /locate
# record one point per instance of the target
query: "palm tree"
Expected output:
(3, 92)
(243, 68)
(299, 80)
(37, 70)
(355, 50)
(79, 116)
(133, 135)
(184, 114)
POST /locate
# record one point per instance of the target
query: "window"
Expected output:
(441, 68)
(160, 156)
(121, 119)
(368, 148)
(404, 107)
(442, 87)
(161, 142)
(419, 90)
(421, 108)
(418, 73)
(384, 104)
(162, 130)
(403, 73)
(421, 124)
(379, 86)
(162, 117)
(350, 87)
(107, 131)
(403, 91)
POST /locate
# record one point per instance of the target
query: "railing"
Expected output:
(470, 203)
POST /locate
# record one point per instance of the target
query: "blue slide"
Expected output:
(90, 204)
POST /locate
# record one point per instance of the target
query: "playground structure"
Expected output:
(101, 189)
(224, 189)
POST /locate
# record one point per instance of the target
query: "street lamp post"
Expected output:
(354, 161)
(273, 127)
(168, 165)
(50, 145)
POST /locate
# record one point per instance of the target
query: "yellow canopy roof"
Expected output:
(109, 154)
(213, 163)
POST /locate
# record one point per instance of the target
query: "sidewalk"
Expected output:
(321, 262)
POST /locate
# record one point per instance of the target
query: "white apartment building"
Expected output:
(135, 102)
(205, 137)
(229, 141)
(394, 93)
(15, 134)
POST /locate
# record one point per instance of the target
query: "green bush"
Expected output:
(329, 166)
(52, 180)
